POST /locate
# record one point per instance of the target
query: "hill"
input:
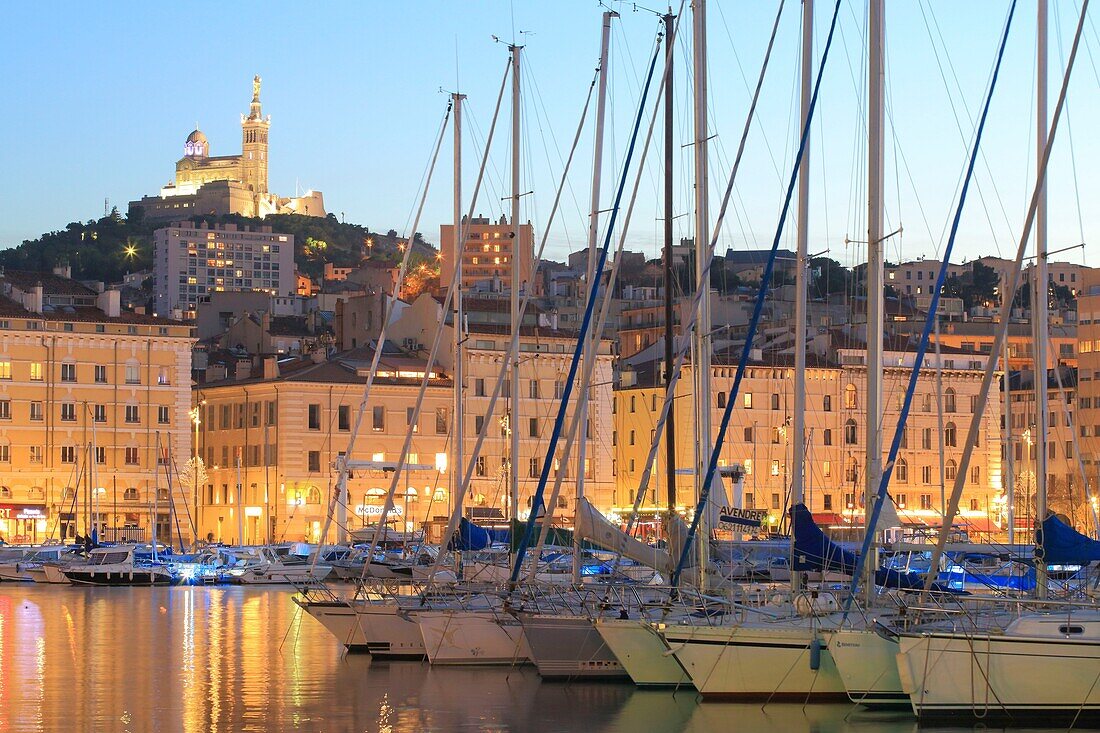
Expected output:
(108, 248)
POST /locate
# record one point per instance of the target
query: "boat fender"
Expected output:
(815, 654)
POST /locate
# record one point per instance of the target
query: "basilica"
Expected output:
(226, 184)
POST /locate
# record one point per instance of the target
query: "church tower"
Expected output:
(254, 144)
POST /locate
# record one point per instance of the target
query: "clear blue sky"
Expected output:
(100, 99)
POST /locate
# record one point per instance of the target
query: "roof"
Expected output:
(83, 314)
(51, 284)
(347, 367)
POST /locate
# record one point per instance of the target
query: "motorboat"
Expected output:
(115, 566)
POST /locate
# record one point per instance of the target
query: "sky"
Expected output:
(100, 99)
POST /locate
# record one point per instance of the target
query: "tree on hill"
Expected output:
(108, 248)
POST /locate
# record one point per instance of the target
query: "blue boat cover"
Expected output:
(815, 552)
(471, 537)
(1060, 544)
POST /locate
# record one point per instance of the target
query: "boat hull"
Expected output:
(568, 647)
(999, 676)
(868, 666)
(643, 653)
(388, 632)
(457, 637)
(340, 619)
(757, 662)
(138, 576)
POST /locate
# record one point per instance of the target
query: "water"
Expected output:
(247, 659)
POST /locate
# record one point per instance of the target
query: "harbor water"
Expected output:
(198, 659)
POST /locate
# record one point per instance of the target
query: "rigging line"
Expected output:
(1072, 153)
(460, 239)
(341, 484)
(513, 346)
(758, 308)
(983, 393)
(985, 162)
(559, 421)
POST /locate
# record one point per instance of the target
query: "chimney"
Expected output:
(271, 367)
(109, 302)
(34, 299)
(63, 271)
(243, 369)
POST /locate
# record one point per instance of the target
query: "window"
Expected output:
(926, 501)
(850, 432)
(314, 460)
(775, 467)
(533, 389)
(827, 436)
(68, 454)
(101, 455)
(950, 435)
(850, 397)
(36, 411)
(163, 376)
(949, 401)
(851, 472)
(100, 374)
(926, 439)
(132, 414)
(775, 501)
(133, 374)
(36, 454)
(479, 466)
(901, 471)
(131, 456)
(410, 419)
(130, 494)
(68, 412)
(314, 417)
(775, 401)
(827, 500)
(827, 469)
(632, 403)
(225, 421)
(270, 418)
(343, 417)
(533, 468)
(441, 420)
(99, 413)
(951, 470)
(68, 372)
(721, 400)
(5, 369)
(748, 434)
(747, 400)
(36, 371)
(827, 403)
(479, 423)
(777, 435)
(926, 474)
(5, 409)
(632, 437)
(533, 427)
(479, 388)
(378, 418)
(975, 474)
(559, 390)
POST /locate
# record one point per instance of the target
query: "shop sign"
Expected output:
(22, 511)
(370, 510)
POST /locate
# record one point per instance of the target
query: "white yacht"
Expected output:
(116, 566)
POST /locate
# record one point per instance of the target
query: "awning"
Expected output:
(831, 519)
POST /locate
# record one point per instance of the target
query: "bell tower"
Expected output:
(254, 144)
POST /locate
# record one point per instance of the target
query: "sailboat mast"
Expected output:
(801, 276)
(702, 275)
(670, 423)
(1039, 301)
(1009, 471)
(458, 423)
(875, 305)
(513, 396)
(591, 347)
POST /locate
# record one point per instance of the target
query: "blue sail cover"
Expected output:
(471, 537)
(1061, 544)
(815, 552)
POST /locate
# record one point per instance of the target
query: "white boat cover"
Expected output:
(591, 525)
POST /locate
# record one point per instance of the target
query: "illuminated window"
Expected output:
(36, 371)
(5, 370)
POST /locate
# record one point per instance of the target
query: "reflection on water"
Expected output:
(246, 659)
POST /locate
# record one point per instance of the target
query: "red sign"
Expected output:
(23, 511)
